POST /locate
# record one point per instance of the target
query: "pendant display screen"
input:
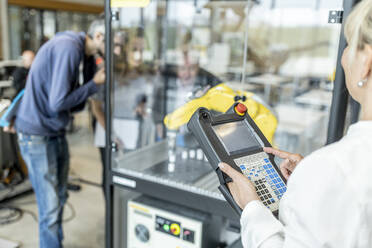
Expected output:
(236, 137)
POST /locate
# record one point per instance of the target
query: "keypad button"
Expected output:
(274, 180)
(263, 186)
(259, 187)
(268, 202)
(266, 160)
(282, 184)
(258, 193)
(263, 192)
(262, 198)
(266, 191)
(270, 196)
(277, 185)
(265, 167)
(281, 191)
(276, 192)
(272, 200)
(265, 196)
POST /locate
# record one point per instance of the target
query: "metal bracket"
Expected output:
(114, 147)
(335, 16)
(115, 15)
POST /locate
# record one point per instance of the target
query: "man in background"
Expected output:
(20, 73)
(52, 93)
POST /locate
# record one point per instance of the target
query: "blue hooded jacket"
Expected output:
(52, 86)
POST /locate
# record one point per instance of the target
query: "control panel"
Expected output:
(150, 227)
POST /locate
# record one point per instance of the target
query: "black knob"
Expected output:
(142, 233)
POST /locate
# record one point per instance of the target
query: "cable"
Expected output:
(24, 203)
(73, 213)
(11, 190)
(12, 214)
(89, 182)
(77, 178)
(15, 214)
(32, 214)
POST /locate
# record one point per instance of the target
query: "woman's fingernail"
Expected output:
(221, 165)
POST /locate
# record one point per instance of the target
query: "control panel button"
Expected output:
(166, 228)
(175, 229)
(188, 235)
(142, 233)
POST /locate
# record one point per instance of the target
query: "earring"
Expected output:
(362, 82)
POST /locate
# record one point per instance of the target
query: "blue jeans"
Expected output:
(47, 160)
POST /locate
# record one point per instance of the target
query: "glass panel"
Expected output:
(32, 29)
(16, 27)
(64, 20)
(49, 24)
(25, 30)
(175, 56)
(74, 21)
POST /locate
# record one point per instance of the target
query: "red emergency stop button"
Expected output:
(240, 109)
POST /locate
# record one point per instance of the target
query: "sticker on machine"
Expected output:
(129, 3)
(124, 181)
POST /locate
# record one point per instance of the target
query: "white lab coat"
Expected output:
(328, 202)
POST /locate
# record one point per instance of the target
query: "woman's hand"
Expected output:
(290, 160)
(241, 188)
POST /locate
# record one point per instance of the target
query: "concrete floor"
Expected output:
(86, 229)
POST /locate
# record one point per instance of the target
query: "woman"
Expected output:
(329, 196)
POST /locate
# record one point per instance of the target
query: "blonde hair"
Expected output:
(358, 27)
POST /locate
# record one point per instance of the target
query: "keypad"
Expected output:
(269, 185)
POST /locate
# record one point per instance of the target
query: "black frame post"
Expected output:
(354, 110)
(109, 188)
(340, 94)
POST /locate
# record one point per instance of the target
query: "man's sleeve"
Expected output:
(18, 80)
(66, 60)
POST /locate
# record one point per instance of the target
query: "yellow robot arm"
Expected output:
(220, 98)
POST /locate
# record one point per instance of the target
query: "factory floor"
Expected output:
(85, 212)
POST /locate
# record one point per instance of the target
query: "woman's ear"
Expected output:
(367, 61)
